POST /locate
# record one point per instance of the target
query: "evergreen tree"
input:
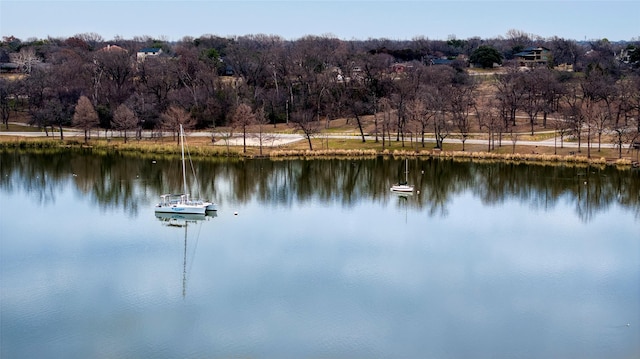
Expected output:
(486, 56)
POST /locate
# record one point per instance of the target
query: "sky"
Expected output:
(346, 20)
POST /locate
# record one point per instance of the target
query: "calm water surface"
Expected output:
(321, 261)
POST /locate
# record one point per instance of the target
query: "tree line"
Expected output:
(211, 81)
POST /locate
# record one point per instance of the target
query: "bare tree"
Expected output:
(599, 92)
(357, 106)
(461, 102)
(175, 116)
(304, 121)
(532, 101)
(7, 93)
(124, 120)
(551, 92)
(243, 117)
(156, 77)
(625, 105)
(438, 102)
(262, 121)
(420, 115)
(386, 109)
(518, 39)
(562, 128)
(514, 139)
(112, 76)
(573, 112)
(509, 94)
(26, 59)
(565, 51)
(601, 118)
(225, 134)
(489, 120)
(85, 116)
(437, 88)
(91, 38)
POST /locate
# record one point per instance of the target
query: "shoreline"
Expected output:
(347, 149)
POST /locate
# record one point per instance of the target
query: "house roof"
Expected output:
(112, 48)
(523, 53)
(530, 51)
(441, 61)
(533, 48)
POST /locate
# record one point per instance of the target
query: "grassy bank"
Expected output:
(327, 148)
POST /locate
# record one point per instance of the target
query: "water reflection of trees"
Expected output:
(115, 181)
(589, 189)
(41, 183)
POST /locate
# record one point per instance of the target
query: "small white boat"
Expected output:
(403, 187)
(183, 203)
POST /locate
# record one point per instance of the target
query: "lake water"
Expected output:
(320, 261)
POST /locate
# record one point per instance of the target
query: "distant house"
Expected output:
(445, 60)
(533, 56)
(111, 48)
(399, 68)
(440, 61)
(148, 51)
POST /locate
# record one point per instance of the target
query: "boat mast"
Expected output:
(184, 170)
(184, 262)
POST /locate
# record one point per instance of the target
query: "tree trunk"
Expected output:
(375, 125)
(309, 140)
(532, 120)
(244, 141)
(360, 128)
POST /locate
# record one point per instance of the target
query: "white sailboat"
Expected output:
(183, 203)
(403, 187)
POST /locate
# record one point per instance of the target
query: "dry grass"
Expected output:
(324, 146)
(333, 148)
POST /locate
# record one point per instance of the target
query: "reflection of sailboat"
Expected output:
(403, 201)
(183, 203)
(403, 187)
(183, 220)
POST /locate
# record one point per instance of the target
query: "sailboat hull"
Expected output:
(402, 188)
(181, 208)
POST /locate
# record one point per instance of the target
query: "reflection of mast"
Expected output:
(403, 198)
(176, 220)
(184, 263)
